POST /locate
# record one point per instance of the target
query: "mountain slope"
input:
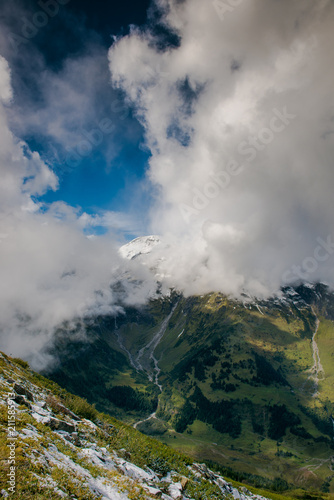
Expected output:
(247, 384)
(48, 451)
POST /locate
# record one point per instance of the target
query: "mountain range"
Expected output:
(54, 445)
(244, 384)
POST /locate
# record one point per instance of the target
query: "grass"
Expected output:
(325, 340)
(284, 338)
(144, 450)
(282, 335)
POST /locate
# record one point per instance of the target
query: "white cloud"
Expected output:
(5, 87)
(109, 219)
(239, 120)
(256, 89)
(50, 271)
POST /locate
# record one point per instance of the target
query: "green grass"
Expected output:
(282, 336)
(325, 340)
(144, 450)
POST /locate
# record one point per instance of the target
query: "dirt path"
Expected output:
(153, 415)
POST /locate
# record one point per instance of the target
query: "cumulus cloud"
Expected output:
(72, 102)
(62, 89)
(239, 116)
(51, 273)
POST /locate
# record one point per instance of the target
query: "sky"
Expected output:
(209, 124)
(62, 93)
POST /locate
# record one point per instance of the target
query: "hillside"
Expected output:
(55, 445)
(247, 385)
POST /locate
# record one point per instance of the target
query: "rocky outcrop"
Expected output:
(71, 457)
(61, 425)
(19, 389)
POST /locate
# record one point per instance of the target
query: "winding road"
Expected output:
(153, 415)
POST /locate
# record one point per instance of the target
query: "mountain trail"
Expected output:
(153, 415)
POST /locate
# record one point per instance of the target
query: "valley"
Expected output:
(246, 386)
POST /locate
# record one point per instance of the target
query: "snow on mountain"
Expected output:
(140, 246)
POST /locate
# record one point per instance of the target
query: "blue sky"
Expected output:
(108, 174)
(140, 113)
(208, 126)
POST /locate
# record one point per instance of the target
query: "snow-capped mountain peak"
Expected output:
(139, 246)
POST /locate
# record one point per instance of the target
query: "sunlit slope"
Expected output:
(246, 384)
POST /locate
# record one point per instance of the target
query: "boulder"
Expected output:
(65, 411)
(19, 389)
(175, 490)
(41, 411)
(134, 472)
(75, 439)
(222, 483)
(61, 425)
(155, 492)
(21, 400)
(235, 493)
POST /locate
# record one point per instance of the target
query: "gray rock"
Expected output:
(203, 470)
(21, 400)
(175, 490)
(19, 389)
(236, 494)
(134, 472)
(155, 492)
(66, 411)
(75, 439)
(61, 425)
(224, 485)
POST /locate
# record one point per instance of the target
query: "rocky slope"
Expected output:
(48, 451)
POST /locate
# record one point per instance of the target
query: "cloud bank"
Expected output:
(236, 102)
(239, 116)
(51, 273)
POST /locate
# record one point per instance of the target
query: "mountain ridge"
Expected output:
(58, 453)
(235, 373)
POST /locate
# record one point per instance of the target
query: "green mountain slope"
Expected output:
(54, 445)
(248, 385)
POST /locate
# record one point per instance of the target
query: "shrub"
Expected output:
(21, 362)
(280, 419)
(54, 404)
(266, 374)
(80, 406)
(130, 399)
